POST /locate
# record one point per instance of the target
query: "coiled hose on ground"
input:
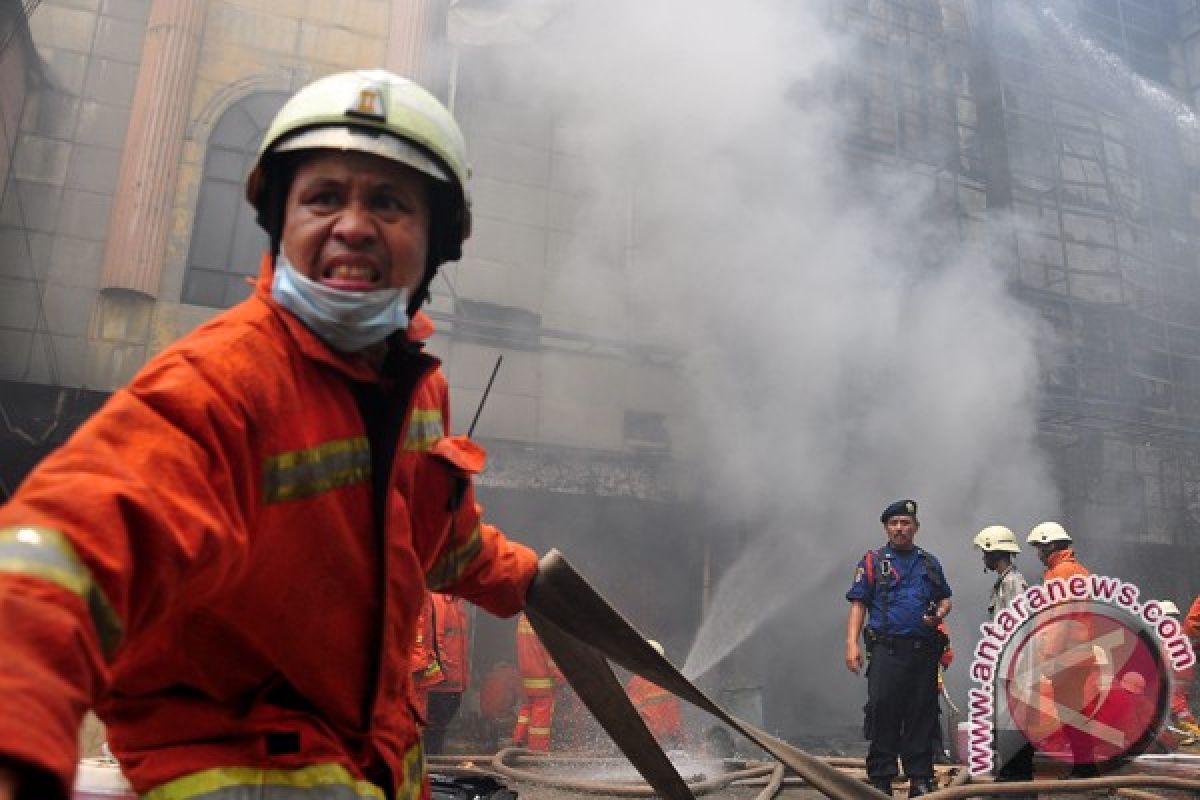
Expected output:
(526, 767)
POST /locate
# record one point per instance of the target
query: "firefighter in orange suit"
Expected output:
(1070, 686)
(425, 666)
(1182, 719)
(499, 693)
(449, 624)
(540, 679)
(658, 707)
(229, 558)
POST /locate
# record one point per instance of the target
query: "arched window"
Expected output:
(226, 241)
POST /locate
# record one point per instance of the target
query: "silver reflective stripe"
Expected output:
(424, 428)
(47, 554)
(304, 473)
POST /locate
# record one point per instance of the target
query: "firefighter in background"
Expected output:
(424, 664)
(1191, 624)
(499, 693)
(229, 557)
(1069, 686)
(1191, 627)
(440, 668)
(540, 680)
(1014, 753)
(450, 645)
(658, 707)
(1182, 720)
(900, 592)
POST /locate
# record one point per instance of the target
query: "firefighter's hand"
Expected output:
(8, 784)
(854, 657)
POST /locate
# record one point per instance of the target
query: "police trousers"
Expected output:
(902, 707)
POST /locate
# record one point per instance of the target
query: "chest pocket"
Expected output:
(447, 471)
(464, 459)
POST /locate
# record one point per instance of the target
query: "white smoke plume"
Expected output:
(841, 347)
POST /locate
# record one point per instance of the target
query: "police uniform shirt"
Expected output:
(909, 595)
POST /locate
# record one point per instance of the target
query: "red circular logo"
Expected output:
(1084, 683)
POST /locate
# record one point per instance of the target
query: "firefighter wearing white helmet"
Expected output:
(274, 491)
(1183, 727)
(999, 545)
(1014, 753)
(1053, 545)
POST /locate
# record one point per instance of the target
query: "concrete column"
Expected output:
(141, 212)
(409, 33)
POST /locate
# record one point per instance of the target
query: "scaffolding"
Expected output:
(1072, 121)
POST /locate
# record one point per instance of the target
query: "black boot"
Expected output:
(920, 786)
(883, 784)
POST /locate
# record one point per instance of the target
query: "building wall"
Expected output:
(558, 387)
(54, 215)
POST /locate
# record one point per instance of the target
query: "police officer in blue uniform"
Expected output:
(901, 593)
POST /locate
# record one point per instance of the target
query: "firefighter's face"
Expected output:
(901, 530)
(357, 222)
(1044, 552)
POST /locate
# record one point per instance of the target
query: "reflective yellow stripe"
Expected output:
(454, 562)
(539, 731)
(522, 718)
(248, 783)
(523, 625)
(318, 782)
(424, 428)
(303, 473)
(537, 683)
(432, 669)
(654, 699)
(413, 779)
(47, 554)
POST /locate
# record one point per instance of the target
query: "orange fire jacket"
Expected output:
(202, 561)
(539, 673)
(658, 707)
(450, 614)
(425, 667)
(440, 657)
(1191, 623)
(1063, 564)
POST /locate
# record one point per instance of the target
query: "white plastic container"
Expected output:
(101, 779)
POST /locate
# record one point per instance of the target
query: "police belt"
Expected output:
(893, 641)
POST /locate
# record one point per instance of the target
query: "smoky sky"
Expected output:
(843, 341)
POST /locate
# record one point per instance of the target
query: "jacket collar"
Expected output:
(1059, 557)
(354, 365)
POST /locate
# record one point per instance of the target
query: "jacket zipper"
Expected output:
(381, 542)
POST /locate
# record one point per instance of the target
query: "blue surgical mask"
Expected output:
(346, 321)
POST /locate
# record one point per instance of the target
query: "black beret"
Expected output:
(899, 508)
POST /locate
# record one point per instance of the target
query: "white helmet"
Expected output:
(1167, 607)
(658, 648)
(997, 539)
(1047, 533)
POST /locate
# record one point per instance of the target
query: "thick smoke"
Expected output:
(841, 347)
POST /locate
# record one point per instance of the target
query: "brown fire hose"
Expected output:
(582, 632)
